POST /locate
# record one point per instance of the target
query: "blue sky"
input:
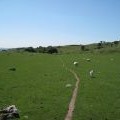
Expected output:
(58, 22)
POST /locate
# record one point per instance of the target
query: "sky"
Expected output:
(25, 23)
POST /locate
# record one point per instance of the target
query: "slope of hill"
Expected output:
(90, 48)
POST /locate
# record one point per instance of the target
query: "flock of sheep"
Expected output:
(91, 72)
(11, 112)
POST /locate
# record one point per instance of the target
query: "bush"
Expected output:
(51, 50)
(30, 49)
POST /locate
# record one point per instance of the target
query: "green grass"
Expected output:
(99, 97)
(37, 87)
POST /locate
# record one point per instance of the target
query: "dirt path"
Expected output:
(71, 107)
(73, 99)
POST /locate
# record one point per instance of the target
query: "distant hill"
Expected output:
(101, 47)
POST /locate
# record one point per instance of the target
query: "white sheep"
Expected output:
(75, 63)
(88, 60)
(91, 73)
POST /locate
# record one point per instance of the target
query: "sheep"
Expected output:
(9, 113)
(88, 60)
(91, 73)
(75, 63)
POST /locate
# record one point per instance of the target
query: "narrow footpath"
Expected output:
(71, 107)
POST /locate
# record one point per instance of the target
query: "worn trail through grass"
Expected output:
(73, 99)
(71, 107)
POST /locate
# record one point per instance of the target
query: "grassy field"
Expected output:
(37, 87)
(99, 97)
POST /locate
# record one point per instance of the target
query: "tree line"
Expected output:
(40, 49)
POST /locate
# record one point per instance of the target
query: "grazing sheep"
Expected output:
(9, 113)
(91, 73)
(88, 60)
(75, 63)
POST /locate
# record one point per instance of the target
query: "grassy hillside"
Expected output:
(90, 48)
(99, 97)
(38, 86)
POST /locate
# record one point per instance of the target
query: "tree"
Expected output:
(116, 43)
(30, 49)
(51, 50)
(40, 49)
